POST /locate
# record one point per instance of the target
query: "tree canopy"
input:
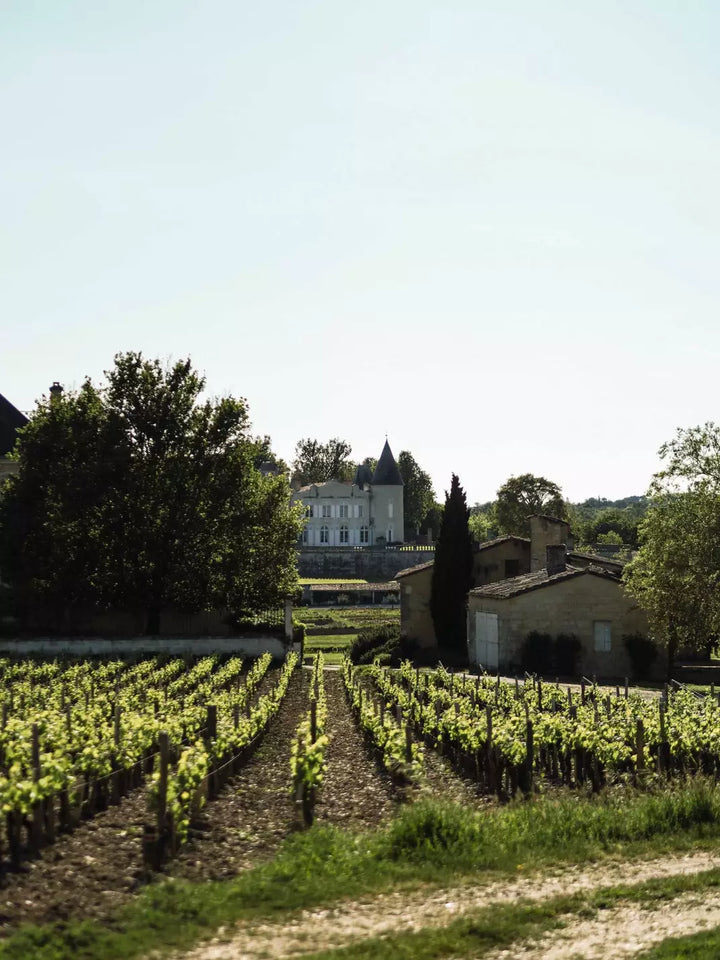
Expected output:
(418, 493)
(317, 462)
(521, 497)
(675, 575)
(452, 575)
(138, 495)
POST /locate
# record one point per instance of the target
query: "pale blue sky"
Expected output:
(487, 229)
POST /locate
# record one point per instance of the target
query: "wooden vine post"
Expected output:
(490, 773)
(640, 745)
(36, 823)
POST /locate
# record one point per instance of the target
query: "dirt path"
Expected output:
(396, 912)
(623, 932)
(254, 812)
(357, 793)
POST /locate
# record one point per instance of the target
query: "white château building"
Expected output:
(364, 513)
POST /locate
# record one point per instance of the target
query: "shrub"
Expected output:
(566, 654)
(384, 643)
(434, 831)
(536, 653)
(642, 652)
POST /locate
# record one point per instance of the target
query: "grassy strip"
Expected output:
(698, 946)
(329, 642)
(502, 925)
(429, 842)
(357, 617)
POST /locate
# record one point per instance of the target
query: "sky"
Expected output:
(486, 230)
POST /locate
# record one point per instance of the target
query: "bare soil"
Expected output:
(357, 793)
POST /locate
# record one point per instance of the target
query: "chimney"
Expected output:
(543, 532)
(56, 390)
(555, 558)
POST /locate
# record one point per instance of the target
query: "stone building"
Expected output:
(367, 512)
(492, 561)
(495, 561)
(587, 602)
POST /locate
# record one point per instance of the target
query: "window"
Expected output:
(304, 535)
(344, 534)
(601, 629)
(309, 511)
(390, 509)
(343, 511)
(360, 510)
(327, 510)
(364, 535)
(324, 534)
(390, 535)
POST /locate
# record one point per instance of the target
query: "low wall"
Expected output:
(347, 563)
(132, 646)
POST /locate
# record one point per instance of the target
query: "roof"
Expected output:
(10, 420)
(410, 570)
(320, 485)
(386, 472)
(486, 544)
(478, 549)
(597, 559)
(504, 589)
(350, 587)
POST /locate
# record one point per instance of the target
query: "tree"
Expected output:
(452, 575)
(317, 462)
(138, 496)
(620, 525)
(483, 521)
(432, 520)
(521, 497)
(676, 573)
(418, 493)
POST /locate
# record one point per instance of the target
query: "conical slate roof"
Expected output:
(387, 473)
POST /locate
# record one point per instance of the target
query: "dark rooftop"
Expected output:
(10, 420)
(504, 589)
(387, 473)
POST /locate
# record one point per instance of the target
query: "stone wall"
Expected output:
(150, 646)
(568, 606)
(347, 563)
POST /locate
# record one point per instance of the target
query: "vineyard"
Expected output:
(113, 772)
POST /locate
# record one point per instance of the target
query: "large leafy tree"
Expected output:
(452, 575)
(317, 462)
(483, 521)
(418, 493)
(521, 497)
(138, 496)
(675, 575)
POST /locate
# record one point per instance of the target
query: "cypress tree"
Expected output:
(452, 576)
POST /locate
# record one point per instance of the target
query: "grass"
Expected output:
(338, 643)
(357, 618)
(429, 842)
(698, 946)
(502, 925)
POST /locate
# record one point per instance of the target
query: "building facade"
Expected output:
(367, 512)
